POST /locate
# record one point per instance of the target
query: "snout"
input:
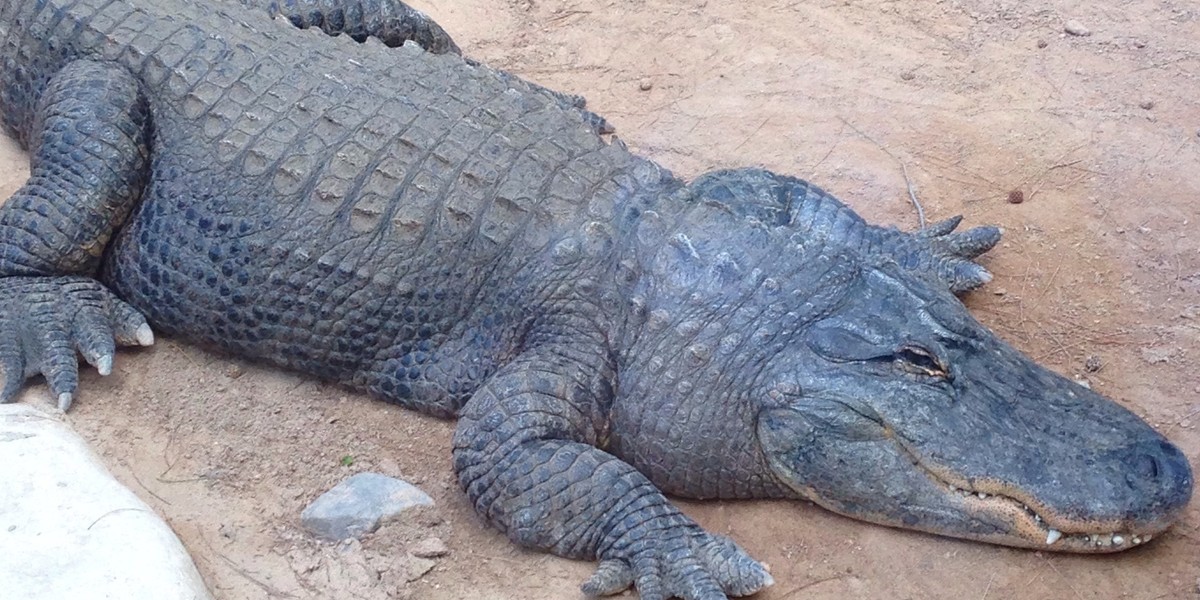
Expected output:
(1158, 472)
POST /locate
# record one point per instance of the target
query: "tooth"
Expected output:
(1052, 536)
(1118, 540)
(1146, 538)
(1137, 540)
(981, 495)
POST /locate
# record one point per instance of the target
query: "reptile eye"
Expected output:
(916, 359)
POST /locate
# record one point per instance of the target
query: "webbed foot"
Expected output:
(953, 254)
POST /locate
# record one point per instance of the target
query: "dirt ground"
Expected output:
(974, 99)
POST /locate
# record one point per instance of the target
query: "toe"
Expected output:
(611, 577)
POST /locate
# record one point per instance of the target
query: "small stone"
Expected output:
(429, 548)
(356, 506)
(1042, 43)
(645, 85)
(1016, 197)
(1083, 383)
(1093, 364)
(1157, 355)
(417, 567)
(1146, 104)
(234, 370)
(908, 75)
(1076, 28)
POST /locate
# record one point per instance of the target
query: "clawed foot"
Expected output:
(693, 566)
(954, 254)
(44, 321)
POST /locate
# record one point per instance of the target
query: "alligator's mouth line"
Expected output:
(1056, 538)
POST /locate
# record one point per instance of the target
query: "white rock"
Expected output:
(1076, 28)
(69, 530)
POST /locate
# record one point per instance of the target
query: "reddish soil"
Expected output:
(1100, 264)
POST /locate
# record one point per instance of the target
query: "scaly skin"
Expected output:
(455, 240)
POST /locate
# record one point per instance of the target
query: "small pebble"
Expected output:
(1146, 104)
(907, 75)
(234, 370)
(429, 548)
(1093, 364)
(1042, 43)
(1016, 197)
(1076, 28)
(417, 568)
(645, 85)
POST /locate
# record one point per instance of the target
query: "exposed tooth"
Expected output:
(1118, 540)
(982, 496)
(1146, 538)
(1137, 540)
(1052, 536)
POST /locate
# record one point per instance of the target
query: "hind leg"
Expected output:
(390, 21)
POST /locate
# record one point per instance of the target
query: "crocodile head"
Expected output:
(893, 405)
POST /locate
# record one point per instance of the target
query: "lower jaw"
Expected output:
(1032, 531)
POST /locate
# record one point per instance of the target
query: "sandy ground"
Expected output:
(1100, 264)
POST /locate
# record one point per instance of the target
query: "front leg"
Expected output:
(525, 453)
(88, 138)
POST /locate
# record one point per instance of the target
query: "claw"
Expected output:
(974, 242)
(64, 401)
(144, 335)
(104, 365)
(941, 227)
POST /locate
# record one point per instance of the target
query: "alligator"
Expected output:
(330, 187)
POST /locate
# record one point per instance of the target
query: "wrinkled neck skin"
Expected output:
(704, 325)
(757, 363)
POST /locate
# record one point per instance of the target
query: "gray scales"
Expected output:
(450, 238)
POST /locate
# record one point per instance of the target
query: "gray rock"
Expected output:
(356, 506)
(1076, 28)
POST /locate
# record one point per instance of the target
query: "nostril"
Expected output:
(1161, 465)
(1147, 466)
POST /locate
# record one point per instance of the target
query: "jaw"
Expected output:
(881, 478)
(1033, 525)
(991, 516)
